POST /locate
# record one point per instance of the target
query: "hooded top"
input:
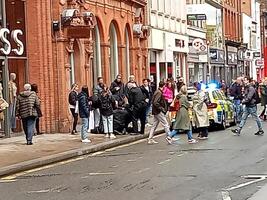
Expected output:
(27, 104)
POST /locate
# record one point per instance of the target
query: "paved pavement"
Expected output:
(16, 156)
(224, 167)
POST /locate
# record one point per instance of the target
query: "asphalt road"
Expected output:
(207, 170)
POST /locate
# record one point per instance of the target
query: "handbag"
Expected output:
(175, 105)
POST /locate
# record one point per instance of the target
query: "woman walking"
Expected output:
(83, 99)
(200, 112)
(182, 121)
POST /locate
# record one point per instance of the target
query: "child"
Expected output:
(106, 102)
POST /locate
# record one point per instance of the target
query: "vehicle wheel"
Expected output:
(223, 125)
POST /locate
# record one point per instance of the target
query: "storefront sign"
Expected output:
(7, 48)
(259, 62)
(216, 56)
(256, 54)
(196, 17)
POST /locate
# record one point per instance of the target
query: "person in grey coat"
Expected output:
(26, 109)
(250, 107)
(182, 121)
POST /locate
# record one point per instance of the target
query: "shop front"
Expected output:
(13, 62)
(217, 59)
(231, 68)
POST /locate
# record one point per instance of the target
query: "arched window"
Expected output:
(97, 55)
(113, 51)
(127, 53)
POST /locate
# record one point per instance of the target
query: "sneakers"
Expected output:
(107, 135)
(86, 141)
(112, 136)
(152, 141)
(203, 138)
(261, 132)
(236, 132)
(169, 140)
(192, 141)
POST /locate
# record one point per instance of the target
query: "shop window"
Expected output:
(97, 72)
(113, 52)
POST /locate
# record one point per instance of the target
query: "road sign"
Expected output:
(196, 17)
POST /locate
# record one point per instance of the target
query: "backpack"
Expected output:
(106, 103)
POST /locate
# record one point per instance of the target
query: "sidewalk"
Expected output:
(16, 156)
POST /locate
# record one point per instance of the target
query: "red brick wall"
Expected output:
(48, 60)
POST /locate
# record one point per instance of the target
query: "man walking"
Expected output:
(26, 109)
(159, 110)
(236, 93)
(250, 107)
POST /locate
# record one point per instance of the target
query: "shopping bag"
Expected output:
(91, 120)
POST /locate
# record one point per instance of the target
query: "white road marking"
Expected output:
(142, 170)
(163, 162)
(8, 181)
(226, 195)
(245, 184)
(133, 160)
(98, 174)
(38, 191)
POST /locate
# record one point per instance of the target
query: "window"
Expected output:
(97, 55)
(113, 52)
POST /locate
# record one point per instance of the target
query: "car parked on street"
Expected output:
(220, 108)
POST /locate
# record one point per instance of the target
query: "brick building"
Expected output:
(232, 34)
(76, 41)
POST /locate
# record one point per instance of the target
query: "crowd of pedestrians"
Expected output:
(111, 109)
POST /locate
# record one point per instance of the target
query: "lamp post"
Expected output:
(5, 78)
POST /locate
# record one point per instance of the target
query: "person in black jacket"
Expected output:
(106, 102)
(250, 107)
(138, 105)
(73, 106)
(34, 88)
(236, 93)
(83, 99)
(147, 91)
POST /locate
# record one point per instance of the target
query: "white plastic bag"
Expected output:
(91, 121)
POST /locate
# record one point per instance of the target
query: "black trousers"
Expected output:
(75, 119)
(37, 125)
(203, 131)
(139, 114)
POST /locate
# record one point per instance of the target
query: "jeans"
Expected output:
(28, 124)
(188, 132)
(159, 118)
(253, 112)
(238, 109)
(108, 124)
(85, 126)
(75, 118)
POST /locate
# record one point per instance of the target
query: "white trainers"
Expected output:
(112, 136)
(107, 135)
(86, 141)
(152, 141)
(192, 141)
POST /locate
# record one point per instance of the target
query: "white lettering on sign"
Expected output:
(6, 50)
(20, 47)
